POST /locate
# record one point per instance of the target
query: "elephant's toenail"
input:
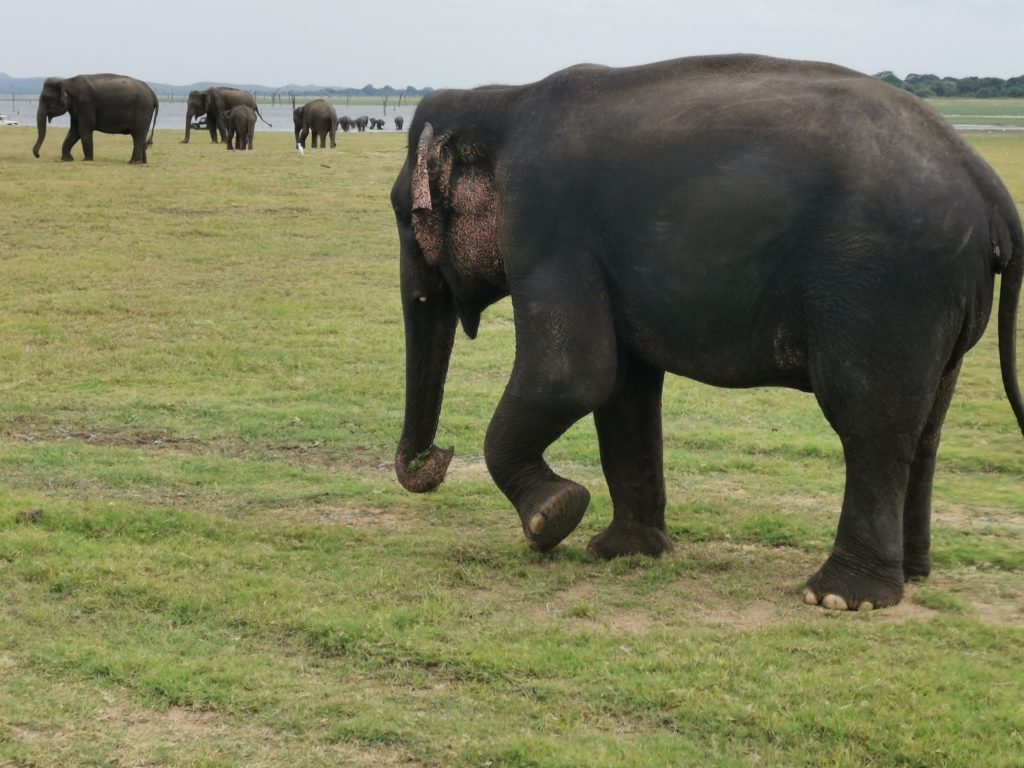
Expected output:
(536, 524)
(834, 603)
(809, 597)
(866, 605)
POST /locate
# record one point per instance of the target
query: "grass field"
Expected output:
(1008, 112)
(205, 559)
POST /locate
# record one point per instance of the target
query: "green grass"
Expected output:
(205, 559)
(1008, 112)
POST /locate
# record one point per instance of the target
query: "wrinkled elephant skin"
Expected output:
(769, 223)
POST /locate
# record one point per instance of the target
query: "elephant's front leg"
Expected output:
(565, 368)
(629, 431)
(69, 142)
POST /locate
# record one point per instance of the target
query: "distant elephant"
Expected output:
(399, 122)
(376, 124)
(360, 123)
(211, 103)
(771, 223)
(345, 123)
(316, 116)
(239, 124)
(106, 103)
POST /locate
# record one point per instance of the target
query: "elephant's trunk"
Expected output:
(41, 119)
(189, 114)
(430, 320)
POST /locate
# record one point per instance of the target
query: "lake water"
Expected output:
(172, 114)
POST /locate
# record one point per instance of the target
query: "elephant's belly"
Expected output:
(739, 351)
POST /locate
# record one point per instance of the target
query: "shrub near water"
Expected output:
(205, 559)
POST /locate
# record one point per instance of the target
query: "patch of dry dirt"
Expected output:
(121, 436)
(995, 597)
(750, 587)
(754, 615)
(350, 516)
(142, 732)
(961, 517)
(469, 469)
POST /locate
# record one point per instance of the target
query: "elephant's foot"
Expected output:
(844, 583)
(67, 159)
(621, 539)
(552, 511)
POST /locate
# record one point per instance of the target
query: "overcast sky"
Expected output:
(463, 43)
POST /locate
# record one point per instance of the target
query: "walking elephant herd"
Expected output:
(119, 104)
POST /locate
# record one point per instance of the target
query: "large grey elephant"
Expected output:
(106, 103)
(770, 223)
(320, 118)
(211, 103)
(239, 125)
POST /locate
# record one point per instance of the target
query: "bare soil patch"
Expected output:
(961, 518)
(995, 597)
(350, 516)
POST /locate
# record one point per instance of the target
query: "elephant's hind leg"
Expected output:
(629, 431)
(865, 567)
(138, 149)
(880, 418)
(917, 510)
(87, 145)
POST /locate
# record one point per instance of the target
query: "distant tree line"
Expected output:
(386, 92)
(931, 86)
(30, 86)
(370, 90)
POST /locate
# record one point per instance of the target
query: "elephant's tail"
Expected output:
(1009, 296)
(152, 129)
(261, 116)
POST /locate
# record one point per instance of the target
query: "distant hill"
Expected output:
(31, 86)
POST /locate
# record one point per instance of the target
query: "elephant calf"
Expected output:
(238, 125)
(319, 118)
(771, 223)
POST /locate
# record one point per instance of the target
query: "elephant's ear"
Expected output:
(433, 169)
